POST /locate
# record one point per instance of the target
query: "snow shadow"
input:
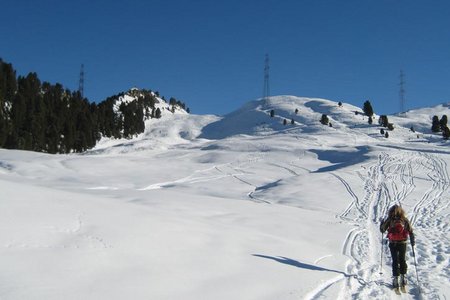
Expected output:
(341, 159)
(6, 166)
(297, 264)
(319, 107)
(268, 186)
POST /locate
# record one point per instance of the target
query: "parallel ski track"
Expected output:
(392, 180)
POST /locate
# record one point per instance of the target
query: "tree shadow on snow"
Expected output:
(341, 159)
(380, 282)
(295, 263)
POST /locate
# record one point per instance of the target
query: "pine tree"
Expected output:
(8, 88)
(368, 110)
(324, 120)
(38, 124)
(158, 113)
(446, 133)
(383, 121)
(443, 122)
(436, 125)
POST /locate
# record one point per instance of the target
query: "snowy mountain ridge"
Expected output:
(135, 93)
(253, 118)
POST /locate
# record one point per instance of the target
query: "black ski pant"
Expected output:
(398, 253)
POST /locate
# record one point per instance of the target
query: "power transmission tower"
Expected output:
(266, 91)
(81, 83)
(402, 92)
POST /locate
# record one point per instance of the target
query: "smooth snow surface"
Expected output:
(233, 207)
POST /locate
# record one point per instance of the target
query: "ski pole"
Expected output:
(417, 274)
(381, 255)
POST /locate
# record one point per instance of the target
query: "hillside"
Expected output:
(232, 207)
(48, 118)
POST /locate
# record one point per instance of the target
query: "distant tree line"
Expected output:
(45, 117)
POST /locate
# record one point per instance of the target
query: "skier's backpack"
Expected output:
(397, 231)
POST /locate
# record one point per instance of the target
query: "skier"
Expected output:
(399, 229)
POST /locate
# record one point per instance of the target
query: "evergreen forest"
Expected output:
(44, 117)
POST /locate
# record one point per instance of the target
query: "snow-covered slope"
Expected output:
(254, 119)
(173, 127)
(233, 207)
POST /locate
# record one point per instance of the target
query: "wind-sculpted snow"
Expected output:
(267, 212)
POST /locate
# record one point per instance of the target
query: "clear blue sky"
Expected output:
(210, 54)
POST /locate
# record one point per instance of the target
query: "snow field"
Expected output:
(264, 212)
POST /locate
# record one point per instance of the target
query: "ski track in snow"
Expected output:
(392, 180)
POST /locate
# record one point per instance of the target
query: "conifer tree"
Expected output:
(436, 125)
(8, 88)
(383, 121)
(158, 113)
(367, 108)
(446, 133)
(443, 122)
(324, 120)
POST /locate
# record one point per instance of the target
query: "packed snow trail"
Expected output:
(399, 179)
